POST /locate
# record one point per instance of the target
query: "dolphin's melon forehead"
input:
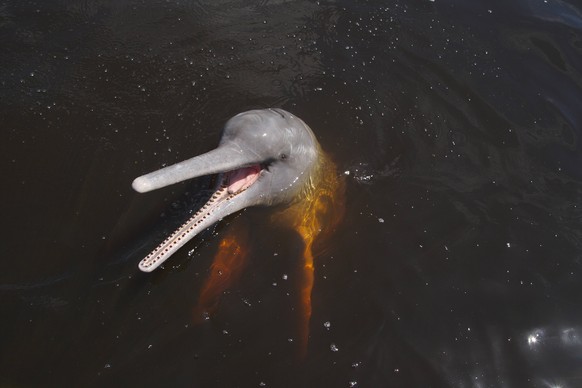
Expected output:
(255, 120)
(275, 124)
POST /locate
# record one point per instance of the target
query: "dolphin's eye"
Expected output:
(283, 156)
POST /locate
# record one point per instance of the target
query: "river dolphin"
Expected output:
(264, 158)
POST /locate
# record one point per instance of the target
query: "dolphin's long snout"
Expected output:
(222, 159)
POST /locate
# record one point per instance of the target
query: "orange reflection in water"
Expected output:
(315, 215)
(226, 268)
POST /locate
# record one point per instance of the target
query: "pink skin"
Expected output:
(242, 178)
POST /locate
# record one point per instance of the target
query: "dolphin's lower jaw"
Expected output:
(223, 202)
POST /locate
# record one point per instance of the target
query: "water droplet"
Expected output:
(333, 348)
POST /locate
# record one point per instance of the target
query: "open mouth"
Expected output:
(241, 179)
(230, 186)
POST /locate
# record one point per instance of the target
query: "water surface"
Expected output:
(455, 123)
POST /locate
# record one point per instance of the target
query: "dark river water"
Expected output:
(456, 125)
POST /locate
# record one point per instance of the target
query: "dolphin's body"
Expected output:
(265, 157)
